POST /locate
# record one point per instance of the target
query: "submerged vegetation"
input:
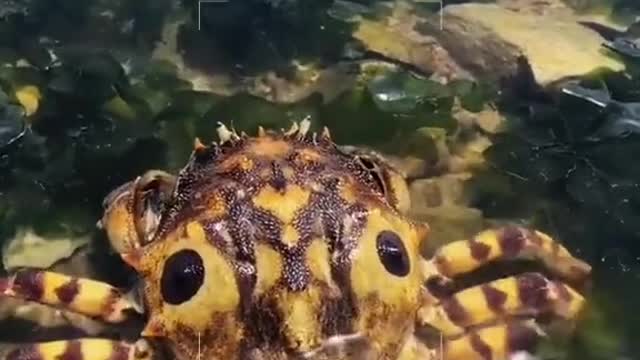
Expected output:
(82, 111)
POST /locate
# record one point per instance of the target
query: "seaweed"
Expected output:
(259, 35)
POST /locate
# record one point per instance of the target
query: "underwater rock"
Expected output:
(28, 249)
(489, 120)
(486, 39)
(395, 38)
(12, 124)
(305, 79)
(445, 190)
(399, 92)
(545, 7)
(330, 82)
(443, 202)
(468, 155)
(449, 223)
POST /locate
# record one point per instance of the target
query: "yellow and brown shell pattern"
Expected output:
(284, 246)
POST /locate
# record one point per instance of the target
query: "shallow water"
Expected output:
(511, 110)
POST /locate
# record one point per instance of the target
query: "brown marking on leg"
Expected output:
(29, 352)
(479, 251)
(119, 352)
(480, 347)
(455, 312)
(533, 290)
(495, 298)
(512, 241)
(72, 351)
(521, 337)
(67, 292)
(441, 264)
(29, 284)
(439, 287)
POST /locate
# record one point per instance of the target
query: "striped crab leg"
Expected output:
(506, 243)
(82, 349)
(88, 297)
(524, 295)
(477, 322)
(131, 215)
(493, 342)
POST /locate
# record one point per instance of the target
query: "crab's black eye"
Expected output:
(182, 277)
(392, 253)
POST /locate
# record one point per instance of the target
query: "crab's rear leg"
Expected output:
(82, 349)
(92, 298)
(524, 295)
(506, 243)
(492, 342)
(487, 308)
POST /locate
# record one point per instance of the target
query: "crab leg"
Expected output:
(529, 294)
(491, 343)
(82, 349)
(494, 342)
(513, 242)
(84, 296)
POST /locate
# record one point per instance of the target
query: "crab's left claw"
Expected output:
(475, 322)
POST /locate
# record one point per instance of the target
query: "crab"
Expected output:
(285, 245)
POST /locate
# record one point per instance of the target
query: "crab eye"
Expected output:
(376, 173)
(392, 253)
(182, 277)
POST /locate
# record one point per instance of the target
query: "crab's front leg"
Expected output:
(82, 349)
(88, 297)
(84, 296)
(131, 215)
(485, 321)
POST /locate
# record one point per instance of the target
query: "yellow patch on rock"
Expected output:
(556, 46)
